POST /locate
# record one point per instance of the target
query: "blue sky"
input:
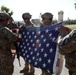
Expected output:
(35, 7)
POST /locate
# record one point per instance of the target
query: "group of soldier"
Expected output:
(8, 38)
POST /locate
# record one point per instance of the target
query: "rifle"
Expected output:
(17, 52)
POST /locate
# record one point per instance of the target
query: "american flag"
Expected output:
(39, 47)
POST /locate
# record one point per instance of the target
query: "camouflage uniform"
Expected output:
(63, 32)
(50, 17)
(30, 26)
(67, 47)
(6, 38)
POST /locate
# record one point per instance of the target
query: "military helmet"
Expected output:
(47, 15)
(4, 16)
(26, 15)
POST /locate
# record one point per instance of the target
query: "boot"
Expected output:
(32, 70)
(45, 73)
(26, 68)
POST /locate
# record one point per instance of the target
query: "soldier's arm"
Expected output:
(9, 34)
(68, 43)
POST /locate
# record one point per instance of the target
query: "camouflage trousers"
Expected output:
(6, 62)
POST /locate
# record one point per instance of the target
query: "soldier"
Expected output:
(47, 20)
(28, 25)
(63, 32)
(6, 38)
(67, 47)
(11, 24)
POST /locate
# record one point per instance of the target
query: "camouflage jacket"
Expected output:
(29, 26)
(6, 38)
(67, 47)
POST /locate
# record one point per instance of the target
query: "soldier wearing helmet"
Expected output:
(47, 18)
(4, 17)
(28, 25)
(6, 38)
(26, 15)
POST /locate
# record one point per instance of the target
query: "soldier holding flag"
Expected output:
(47, 20)
(28, 25)
(6, 38)
(67, 47)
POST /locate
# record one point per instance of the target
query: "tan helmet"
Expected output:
(4, 16)
(26, 15)
(47, 15)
